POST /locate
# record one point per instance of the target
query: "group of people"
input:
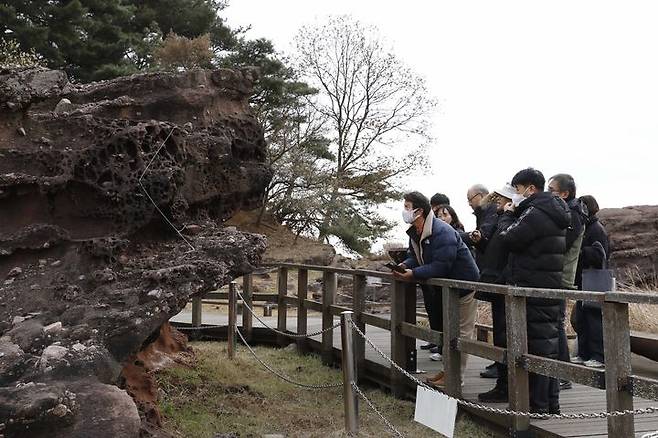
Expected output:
(529, 234)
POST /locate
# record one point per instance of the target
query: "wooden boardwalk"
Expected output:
(579, 399)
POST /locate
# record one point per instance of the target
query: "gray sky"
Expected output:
(562, 86)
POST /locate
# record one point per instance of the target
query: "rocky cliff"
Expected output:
(633, 233)
(112, 198)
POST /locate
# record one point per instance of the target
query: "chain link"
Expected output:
(148, 195)
(290, 335)
(369, 403)
(532, 415)
(201, 327)
(283, 376)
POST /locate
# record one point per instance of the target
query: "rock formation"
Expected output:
(633, 233)
(112, 198)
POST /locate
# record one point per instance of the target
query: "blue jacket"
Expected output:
(444, 254)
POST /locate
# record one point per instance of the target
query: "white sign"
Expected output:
(436, 411)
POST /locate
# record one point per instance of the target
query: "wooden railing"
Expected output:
(617, 378)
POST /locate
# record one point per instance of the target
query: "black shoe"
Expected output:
(496, 395)
(427, 346)
(436, 349)
(539, 411)
(490, 373)
(565, 384)
(491, 365)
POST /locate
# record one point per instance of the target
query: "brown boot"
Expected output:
(437, 380)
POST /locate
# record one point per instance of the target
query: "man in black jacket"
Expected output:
(564, 186)
(486, 218)
(536, 241)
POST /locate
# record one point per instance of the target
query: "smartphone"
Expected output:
(394, 267)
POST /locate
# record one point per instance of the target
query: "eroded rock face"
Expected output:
(633, 233)
(89, 267)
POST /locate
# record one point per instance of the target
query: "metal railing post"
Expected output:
(349, 374)
(232, 318)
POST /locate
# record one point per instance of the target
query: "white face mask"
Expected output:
(409, 216)
(519, 198)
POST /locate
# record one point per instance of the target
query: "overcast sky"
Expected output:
(562, 86)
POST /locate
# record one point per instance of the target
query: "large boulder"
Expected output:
(113, 196)
(633, 233)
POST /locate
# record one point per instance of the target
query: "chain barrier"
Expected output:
(651, 435)
(283, 376)
(532, 415)
(201, 327)
(376, 411)
(290, 335)
(148, 195)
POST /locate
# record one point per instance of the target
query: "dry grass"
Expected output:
(221, 396)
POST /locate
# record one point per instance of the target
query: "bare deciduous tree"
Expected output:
(377, 112)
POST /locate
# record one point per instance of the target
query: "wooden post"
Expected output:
(196, 311)
(302, 314)
(617, 351)
(403, 348)
(232, 319)
(282, 308)
(517, 376)
(451, 355)
(247, 317)
(329, 284)
(359, 306)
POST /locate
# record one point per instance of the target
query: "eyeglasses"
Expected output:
(474, 196)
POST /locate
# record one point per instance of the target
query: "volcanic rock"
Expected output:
(633, 233)
(91, 227)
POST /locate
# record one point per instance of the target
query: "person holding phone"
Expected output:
(437, 251)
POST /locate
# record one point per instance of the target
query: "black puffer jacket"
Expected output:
(494, 260)
(536, 241)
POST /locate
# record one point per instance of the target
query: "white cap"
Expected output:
(507, 191)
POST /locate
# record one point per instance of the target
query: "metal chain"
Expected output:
(201, 327)
(139, 182)
(283, 376)
(576, 416)
(290, 335)
(369, 403)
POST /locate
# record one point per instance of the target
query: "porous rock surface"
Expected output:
(90, 267)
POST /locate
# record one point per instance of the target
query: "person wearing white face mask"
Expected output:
(536, 242)
(437, 251)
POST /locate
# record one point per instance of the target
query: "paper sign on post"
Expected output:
(436, 411)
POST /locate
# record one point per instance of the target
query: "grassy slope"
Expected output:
(241, 397)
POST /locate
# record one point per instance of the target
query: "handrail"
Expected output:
(516, 291)
(617, 379)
